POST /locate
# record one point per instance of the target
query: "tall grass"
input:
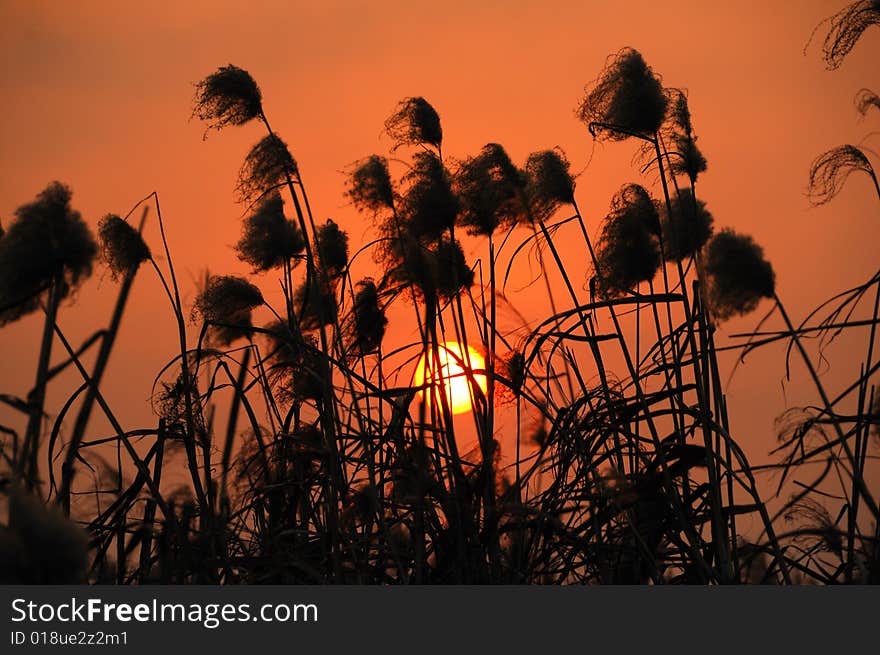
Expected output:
(334, 464)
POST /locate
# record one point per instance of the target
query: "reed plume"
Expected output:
(626, 100)
(369, 185)
(628, 249)
(549, 183)
(123, 249)
(267, 166)
(228, 96)
(490, 190)
(687, 228)
(225, 305)
(414, 122)
(269, 239)
(47, 244)
(429, 206)
(739, 276)
(830, 170)
(845, 28)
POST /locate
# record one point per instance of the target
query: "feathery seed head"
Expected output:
(490, 189)
(228, 96)
(414, 122)
(268, 238)
(689, 228)
(226, 304)
(122, 247)
(738, 274)
(549, 182)
(267, 166)
(626, 100)
(429, 207)
(628, 250)
(369, 185)
(830, 170)
(47, 242)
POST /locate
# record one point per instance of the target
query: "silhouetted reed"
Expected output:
(549, 183)
(225, 304)
(316, 303)
(267, 166)
(628, 250)
(415, 122)
(738, 274)
(369, 185)
(293, 364)
(845, 28)
(332, 249)
(684, 156)
(229, 96)
(864, 100)
(429, 207)
(368, 322)
(830, 170)
(348, 467)
(47, 246)
(269, 239)
(626, 100)
(687, 229)
(491, 191)
(123, 249)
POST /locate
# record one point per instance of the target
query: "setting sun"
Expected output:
(453, 371)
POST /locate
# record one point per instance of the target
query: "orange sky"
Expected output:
(99, 96)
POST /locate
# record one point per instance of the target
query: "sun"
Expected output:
(455, 361)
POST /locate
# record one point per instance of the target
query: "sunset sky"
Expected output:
(98, 95)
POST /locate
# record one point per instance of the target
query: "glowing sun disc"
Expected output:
(454, 364)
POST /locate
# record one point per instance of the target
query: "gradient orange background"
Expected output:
(98, 95)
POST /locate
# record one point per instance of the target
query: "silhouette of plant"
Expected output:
(229, 96)
(845, 28)
(739, 276)
(122, 247)
(47, 244)
(626, 100)
(830, 170)
(628, 250)
(269, 239)
(415, 122)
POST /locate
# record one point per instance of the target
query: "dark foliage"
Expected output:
(269, 238)
(491, 191)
